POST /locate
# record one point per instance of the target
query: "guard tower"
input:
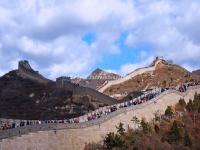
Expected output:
(62, 81)
(157, 60)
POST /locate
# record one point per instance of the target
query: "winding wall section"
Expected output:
(74, 136)
(128, 77)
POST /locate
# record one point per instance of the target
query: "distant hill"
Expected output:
(96, 79)
(25, 94)
(196, 72)
(160, 74)
(101, 74)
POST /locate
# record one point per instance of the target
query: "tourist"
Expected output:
(101, 112)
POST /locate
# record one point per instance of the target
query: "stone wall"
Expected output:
(128, 77)
(73, 137)
(131, 75)
(85, 91)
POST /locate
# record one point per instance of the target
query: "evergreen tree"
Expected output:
(145, 126)
(113, 140)
(182, 102)
(109, 140)
(187, 139)
(175, 133)
(196, 97)
(136, 121)
(120, 129)
(168, 111)
(189, 106)
(156, 128)
(196, 102)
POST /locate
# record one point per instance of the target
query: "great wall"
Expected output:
(25, 71)
(79, 90)
(133, 74)
(74, 136)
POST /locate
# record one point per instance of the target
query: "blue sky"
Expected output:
(73, 37)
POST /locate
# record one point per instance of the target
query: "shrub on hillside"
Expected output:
(146, 128)
(120, 129)
(113, 140)
(187, 139)
(92, 146)
(168, 111)
(135, 121)
(175, 134)
(190, 106)
(196, 102)
(156, 128)
(182, 103)
(180, 133)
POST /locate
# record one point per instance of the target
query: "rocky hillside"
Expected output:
(25, 94)
(164, 75)
(26, 99)
(96, 79)
(196, 72)
(101, 74)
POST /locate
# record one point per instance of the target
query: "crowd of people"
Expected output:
(185, 86)
(148, 95)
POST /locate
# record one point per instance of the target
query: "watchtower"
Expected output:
(62, 81)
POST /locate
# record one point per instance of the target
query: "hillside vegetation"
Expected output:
(22, 98)
(177, 129)
(165, 75)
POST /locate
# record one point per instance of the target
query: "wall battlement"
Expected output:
(65, 82)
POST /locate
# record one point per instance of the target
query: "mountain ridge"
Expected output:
(25, 94)
(161, 74)
(196, 72)
(96, 79)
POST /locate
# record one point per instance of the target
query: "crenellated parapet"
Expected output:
(63, 81)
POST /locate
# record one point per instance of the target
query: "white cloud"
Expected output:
(33, 47)
(130, 67)
(171, 30)
(50, 32)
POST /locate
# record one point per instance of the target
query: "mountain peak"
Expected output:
(101, 74)
(25, 70)
(24, 64)
(97, 70)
